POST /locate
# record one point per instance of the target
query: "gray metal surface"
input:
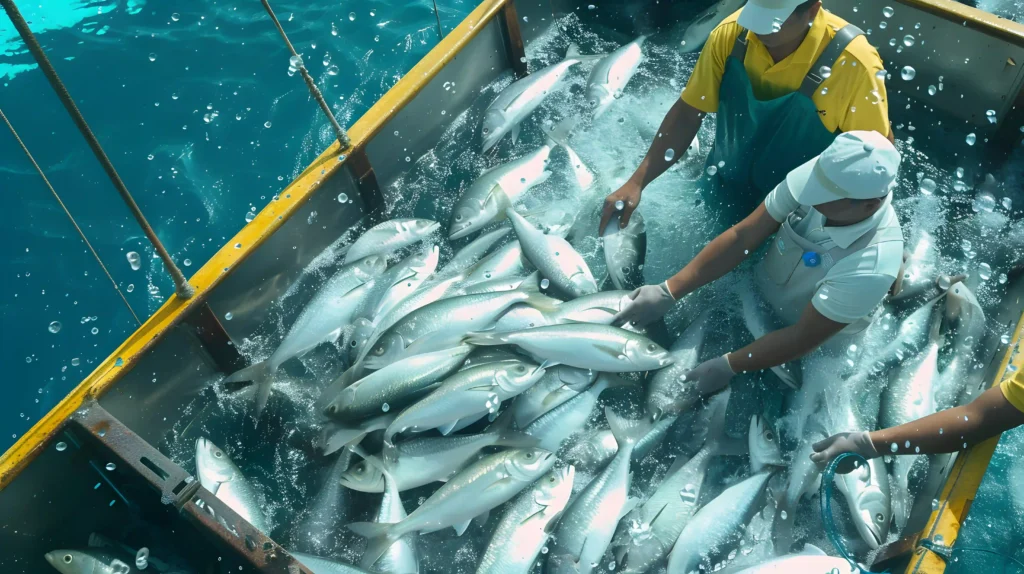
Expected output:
(976, 70)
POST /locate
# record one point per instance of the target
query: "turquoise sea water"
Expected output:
(193, 103)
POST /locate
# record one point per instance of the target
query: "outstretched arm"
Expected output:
(786, 344)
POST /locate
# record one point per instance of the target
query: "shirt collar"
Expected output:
(845, 235)
(808, 50)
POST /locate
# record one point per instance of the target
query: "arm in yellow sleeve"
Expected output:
(702, 88)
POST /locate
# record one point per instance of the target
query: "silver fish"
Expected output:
(319, 565)
(318, 530)
(554, 257)
(518, 100)
(420, 461)
(652, 529)
(585, 346)
(474, 252)
(763, 442)
(396, 385)
(611, 74)
(569, 418)
(323, 320)
(219, 474)
(335, 435)
(559, 384)
(90, 562)
(589, 523)
(593, 450)
(760, 321)
(599, 308)
(553, 217)
(390, 236)
(470, 393)
(669, 390)
(412, 272)
(527, 524)
(625, 251)
(717, 524)
(909, 397)
(700, 28)
(501, 284)
(403, 556)
(506, 262)
(811, 559)
(480, 487)
(964, 314)
(921, 269)
(442, 324)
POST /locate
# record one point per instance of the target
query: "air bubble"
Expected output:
(545, 283)
(908, 40)
(894, 447)
(670, 154)
(110, 466)
(61, 446)
(825, 72)
(228, 316)
(351, 16)
(984, 271)
(932, 90)
(175, 17)
(712, 170)
(267, 124)
(152, 57)
(991, 115)
(249, 216)
(142, 558)
(927, 186)
(385, 407)
(95, 331)
(971, 138)
(620, 205)
(888, 11)
(55, 327)
(333, 70)
(908, 73)
(134, 260)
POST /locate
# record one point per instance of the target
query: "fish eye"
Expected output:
(652, 347)
(360, 469)
(625, 269)
(521, 369)
(486, 131)
(551, 480)
(68, 558)
(218, 454)
(458, 217)
(879, 518)
(529, 455)
(353, 343)
(769, 436)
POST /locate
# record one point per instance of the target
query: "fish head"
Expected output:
(596, 449)
(494, 126)
(357, 337)
(344, 399)
(963, 312)
(528, 464)
(467, 217)
(212, 464)
(363, 477)
(599, 98)
(670, 392)
(78, 562)
(418, 228)
(643, 351)
(425, 263)
(575, 378)
(518, 376)
(385, 350)
(764, 445)
(872, 506)
(553, 490)
(371, 267)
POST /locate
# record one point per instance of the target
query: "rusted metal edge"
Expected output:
(514, 46)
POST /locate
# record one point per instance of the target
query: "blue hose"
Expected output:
(825, 500)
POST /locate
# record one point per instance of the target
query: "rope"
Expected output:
(310, 83)
(825, 501)
(181, 286)
(68, 213)
(440, 32)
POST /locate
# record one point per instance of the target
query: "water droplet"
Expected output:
(55, 327)
(932, 90)
(95, 330)
(266, 124)
(881, 74)
(1002, 278)
(908, 40)
(545, 283)
(883, 25)
(544, 550)
(75, 362)
(175, 17)
(960, 173)
(908, 73)
(938, 539)
(142, 558)
(825, 72)
(228, 316)
(971, 138)
(894, 447)
(888, 11)
(670, 154)
(110, 466)
(152, 57)
(407, 159)
(776, 25)
(342, 198)
(966, 245)
(591, 7)
(351, 16)
(984, 271)
(61, 446)
(385, 407)
(712, 170)
(333, 70)
(134, 260)
(991, 115)
(784, 515)
(620, 205)
(824, 91)
(935, 504)
(984, 201)
(1007, 203)
(1005, 339)
(927, 186)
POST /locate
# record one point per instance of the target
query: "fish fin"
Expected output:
(613, 381)
(333, 437)
(631, 504)
(559, 134)
(261, 375)
(573, 53)
(378, 538)
(503, 424)
(812, 550)
(483, 518)
(446, 429)
(677, 464)
(626, 431)
(483, 339)
(516, 439)
(515, 133)
(718, 406)
(461, 527)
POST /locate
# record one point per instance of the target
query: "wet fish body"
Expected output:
(518, 100)
(554, 257)
(599, 308)
(595, 449)
(319, 565)
(760, 321)
(413, 271)
(625, 251)
(585, 346)
(403, 555)
(507, 261)
(390, 236)
(90, 561)
(669, 391)
(611, 74)
(557, 425)
(527, 524)
(219, 474)
(474, 252)
(558, 385)
(317, 531)
(811, 559)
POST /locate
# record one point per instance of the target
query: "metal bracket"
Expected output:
(939, 548)
(214, 339)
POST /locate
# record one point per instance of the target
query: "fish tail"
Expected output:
(782, 528)
(482, 339)
(261, 375)
(627, 431)
(716, 437)
(562, 130)
(573, 53)
(378, 536)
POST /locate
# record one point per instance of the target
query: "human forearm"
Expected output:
(949, 430)
(771, 350)
(676, 132)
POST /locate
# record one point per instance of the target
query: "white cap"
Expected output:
(858, 165)
(758, 16)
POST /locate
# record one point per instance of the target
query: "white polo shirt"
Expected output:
(858, 283)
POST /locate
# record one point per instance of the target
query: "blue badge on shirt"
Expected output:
(811, 259)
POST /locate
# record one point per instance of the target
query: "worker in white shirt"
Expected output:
(837, 251)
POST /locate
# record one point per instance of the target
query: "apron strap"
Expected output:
(739, 49)
(832, 52)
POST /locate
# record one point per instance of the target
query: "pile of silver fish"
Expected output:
(483, 375)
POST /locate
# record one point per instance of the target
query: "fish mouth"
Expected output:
(460, 231)
(491, 139)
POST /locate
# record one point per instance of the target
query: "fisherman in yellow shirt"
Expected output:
(997, 410)
(785, 77)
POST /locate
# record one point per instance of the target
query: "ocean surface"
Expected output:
(194, 105)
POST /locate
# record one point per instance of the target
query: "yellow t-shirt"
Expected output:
(1013, 390)
(852, 98)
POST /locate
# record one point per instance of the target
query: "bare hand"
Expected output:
(629, 195)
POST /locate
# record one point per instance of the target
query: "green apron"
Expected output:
(758, 142)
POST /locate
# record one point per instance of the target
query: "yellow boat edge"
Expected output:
(206, 278)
